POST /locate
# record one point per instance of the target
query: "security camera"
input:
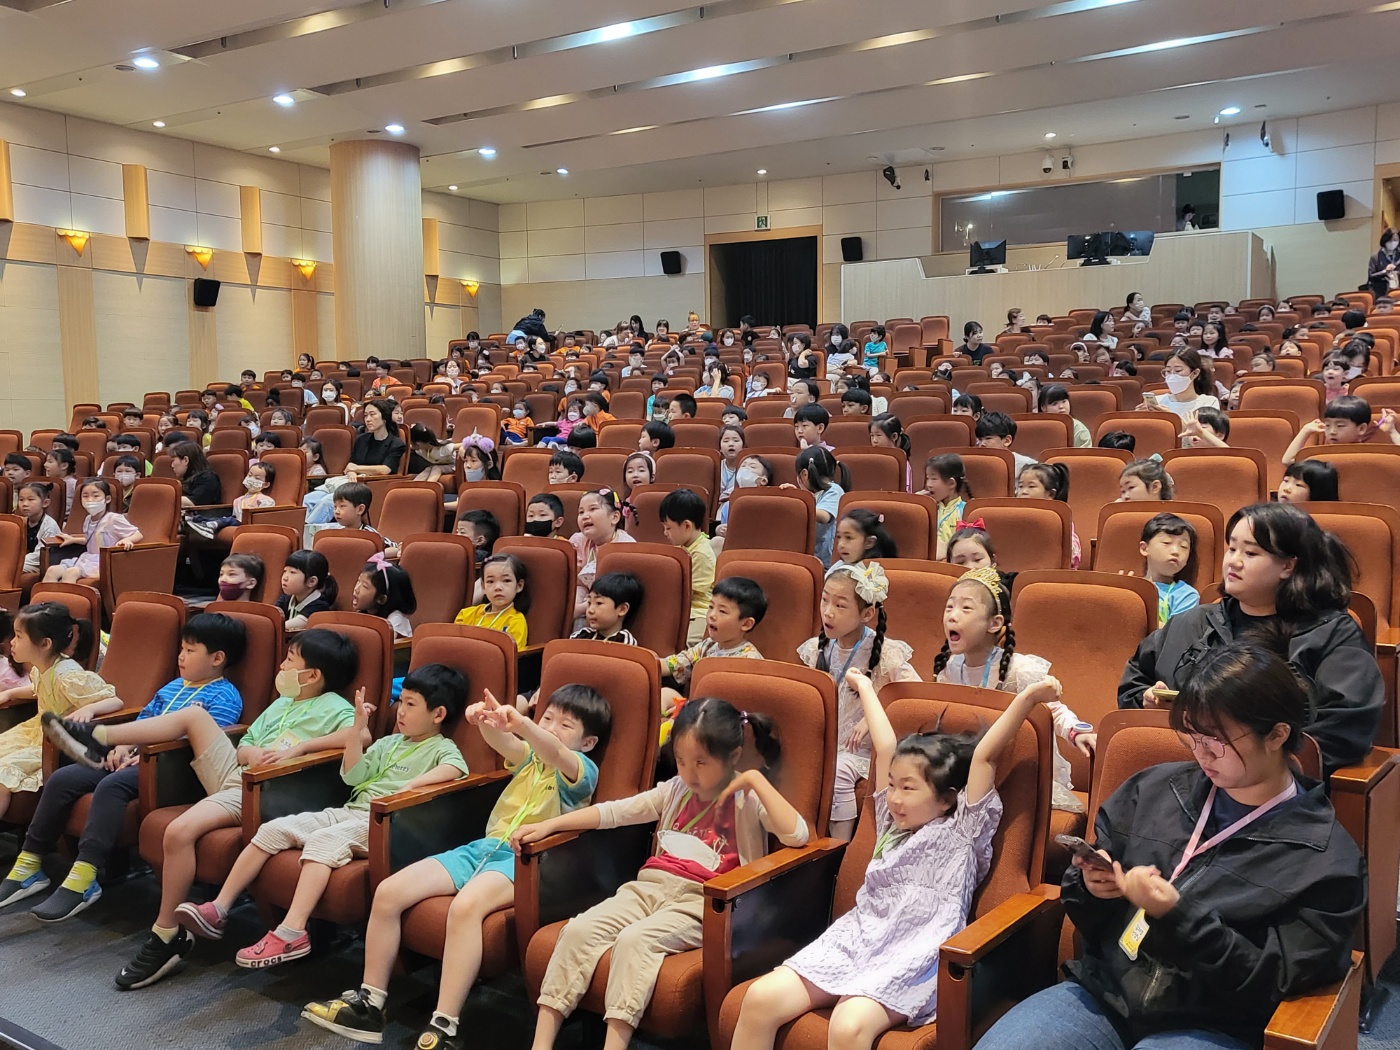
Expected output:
(1048, 164)
(1066, 162)
(891, 176)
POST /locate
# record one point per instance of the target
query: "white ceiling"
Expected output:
(658, 104)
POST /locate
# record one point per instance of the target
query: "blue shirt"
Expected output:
(829, 501)
(1175, 597)
(219, 697)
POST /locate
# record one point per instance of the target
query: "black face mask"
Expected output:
(539, 528)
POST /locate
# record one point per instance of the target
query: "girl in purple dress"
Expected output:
(102, 527)
(877, 965)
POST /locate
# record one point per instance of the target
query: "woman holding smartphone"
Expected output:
(1289, 583)
(1229, 884)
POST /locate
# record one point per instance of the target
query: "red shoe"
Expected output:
(272, 950)
(202, 920)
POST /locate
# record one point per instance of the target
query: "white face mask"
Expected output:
(1176, 382)
(728, 341)
(254, 429)
(329, 395)
(126, 479)
(569, 388)
(94, 506)
(475, 475)
(1352, 373)
(746, 479)
(518, 413)
(573, 415)
(253, 484)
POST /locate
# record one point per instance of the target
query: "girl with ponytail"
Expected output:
(853, 636)
(51, 643)
(980, 650)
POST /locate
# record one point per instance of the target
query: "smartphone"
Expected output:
(1150, 398)
(1167, 695)
(1085, 852)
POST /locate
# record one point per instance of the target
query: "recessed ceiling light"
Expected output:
(274, 149)
(145, 62)
(763, 171)
(561, 171)
(284, 100)
(452, 188)
(487, 151)
(157, 123)
(394, 129)
(1049, 134)
(1230, 111)
(18, 92)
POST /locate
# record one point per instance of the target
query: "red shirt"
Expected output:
(714, 828)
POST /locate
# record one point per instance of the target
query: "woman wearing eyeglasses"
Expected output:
(1229, 887)
(1288, 583)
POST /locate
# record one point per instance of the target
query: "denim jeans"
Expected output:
(1066, 1017)
(320, 505)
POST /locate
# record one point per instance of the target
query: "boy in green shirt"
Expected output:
(309, 715)
(415, 756)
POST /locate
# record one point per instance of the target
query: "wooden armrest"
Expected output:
(401, 800)
(758, 873)
(279, 789)
(1325, 1019)
(409, 825)
(980, 937)
(1371, 770)
(273, 770)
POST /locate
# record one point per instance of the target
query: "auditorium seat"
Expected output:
(772, 519)
(1028, 533)
(663, 617)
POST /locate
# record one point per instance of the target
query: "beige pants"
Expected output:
(656, 915)
(221, 775)
(328, 836)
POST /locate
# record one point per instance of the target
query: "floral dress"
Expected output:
(917, 893)
(64, 687)
(105, 531)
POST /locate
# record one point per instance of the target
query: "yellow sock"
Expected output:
(80, 877)
(165, 933)
(99, 733)
(26, 864)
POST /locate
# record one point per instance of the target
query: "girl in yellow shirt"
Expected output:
(503, 581)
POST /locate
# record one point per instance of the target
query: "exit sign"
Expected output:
(760, 222)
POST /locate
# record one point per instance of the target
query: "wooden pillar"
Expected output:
(7, 190)
(377, 230)
(136, 202)
(250, 215)
(77, 328)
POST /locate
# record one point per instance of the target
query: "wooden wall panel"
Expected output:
(250, 215)
(7, 190)
(77, 326)
(31, 375)
(136, 202)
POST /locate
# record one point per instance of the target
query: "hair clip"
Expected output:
(880, 518)
(975, 523)
(378, 560)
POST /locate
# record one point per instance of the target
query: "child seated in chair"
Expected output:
(307, 588)
(544, 516)
(32, 501)
(258, 480)
(416, 755)
(240, 575)
(684, 517)
(553, 773)
(936, 812)
(209, 644)
(103, 527)
(309, 715)
(736, 607)
(1345, 421)
(613, 601)
(504, 583)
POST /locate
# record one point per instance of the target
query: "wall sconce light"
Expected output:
(77, 239)
(472, 287)
(306, 267)
(201, 254)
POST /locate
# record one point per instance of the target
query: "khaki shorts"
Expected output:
(221, 776)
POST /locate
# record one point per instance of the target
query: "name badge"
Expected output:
(285, 742)
(1133, 936)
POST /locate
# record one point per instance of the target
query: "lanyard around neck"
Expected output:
(841, 676)
(1194, 846)
(992, 655)
(698, 817)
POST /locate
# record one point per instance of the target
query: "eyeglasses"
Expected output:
(1210, 745)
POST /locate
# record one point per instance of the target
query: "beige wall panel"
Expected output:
(31, 377)
(589, 304)
(441, 323)
(254, 330)
(142, 334)
(77, 329)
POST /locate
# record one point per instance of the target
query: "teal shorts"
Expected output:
(472, 859)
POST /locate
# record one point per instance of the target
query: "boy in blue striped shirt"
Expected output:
(209, 645)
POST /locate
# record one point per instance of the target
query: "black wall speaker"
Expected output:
(671, 263)
(1331, 204)
(206, 292)
(851, 250)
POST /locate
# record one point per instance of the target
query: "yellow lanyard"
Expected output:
(492, 626)
(887, 839)
(175, 704)
(389, 764)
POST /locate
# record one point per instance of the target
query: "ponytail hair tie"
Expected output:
(1156, 457)
(743, 718)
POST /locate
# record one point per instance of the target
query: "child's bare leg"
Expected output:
(857, 1022)
(189, 723)
(54, 574)
(547, 1026)
(396, 894)
(178, 865)
(4, 800)
(461, 962)
(71, 575)
(245, 870)
(311, 884)
(619, 1035)
(771, 1002)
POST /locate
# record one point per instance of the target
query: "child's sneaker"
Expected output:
(64, 903)
(352, 1015)
(435, 1038)
(201, 527)
(203, 920)
(75, 740)
(155, 959)
(272, 950)
(14, 890)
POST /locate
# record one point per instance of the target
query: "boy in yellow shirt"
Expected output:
(683, 520)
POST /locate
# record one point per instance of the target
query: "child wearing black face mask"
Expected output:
(544, 516)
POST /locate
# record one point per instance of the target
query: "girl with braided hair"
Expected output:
(853, 636)
(980, 650)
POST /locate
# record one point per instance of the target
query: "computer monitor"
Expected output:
(1132, 242)
(1090, 248)
(984, 254)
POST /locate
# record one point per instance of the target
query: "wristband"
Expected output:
(1077, 728)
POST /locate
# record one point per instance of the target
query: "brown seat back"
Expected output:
(442, 568)
(83, 603)
(410, 507)
(143, 645)
(1036, 432)
(374, 639)
(802, 703)
(290, 484)
(527, 467)
(1028, 533)
(274, 544)
(1305, 398)
(911, 521)
(697, 469)
(772, 519)
(874, 467)
(336, 441)
(504, 499)
(1120, 535)
(346, 551)
(603, 466)
(1093, 475)
(620, 433)
(256, 673)
(914, 610)
(793, 585)
(1230, 478)
(1156, 433)
(155, 509)
(1365, 473)
(776, 432)
(487, 659)
(553, 568)
(663, 619)
(230, 466)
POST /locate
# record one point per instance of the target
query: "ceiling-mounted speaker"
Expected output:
(670, 263)
(1331, 204)
(851, 249)
(206, 292)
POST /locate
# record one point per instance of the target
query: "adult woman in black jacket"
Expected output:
(1232, 885)
(199, 486)
(1283, 576)
(1382, 270)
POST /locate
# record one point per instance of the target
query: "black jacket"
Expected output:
(533, 326)
(202, 489)
(1346, 692)
(1267, 914)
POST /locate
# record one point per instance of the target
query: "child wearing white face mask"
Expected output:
(255, 485)
(125, 472)
(103, 527)
(516, 429)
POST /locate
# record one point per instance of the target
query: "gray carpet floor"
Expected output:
(57, 983)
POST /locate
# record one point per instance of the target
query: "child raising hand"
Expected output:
(876, 966)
